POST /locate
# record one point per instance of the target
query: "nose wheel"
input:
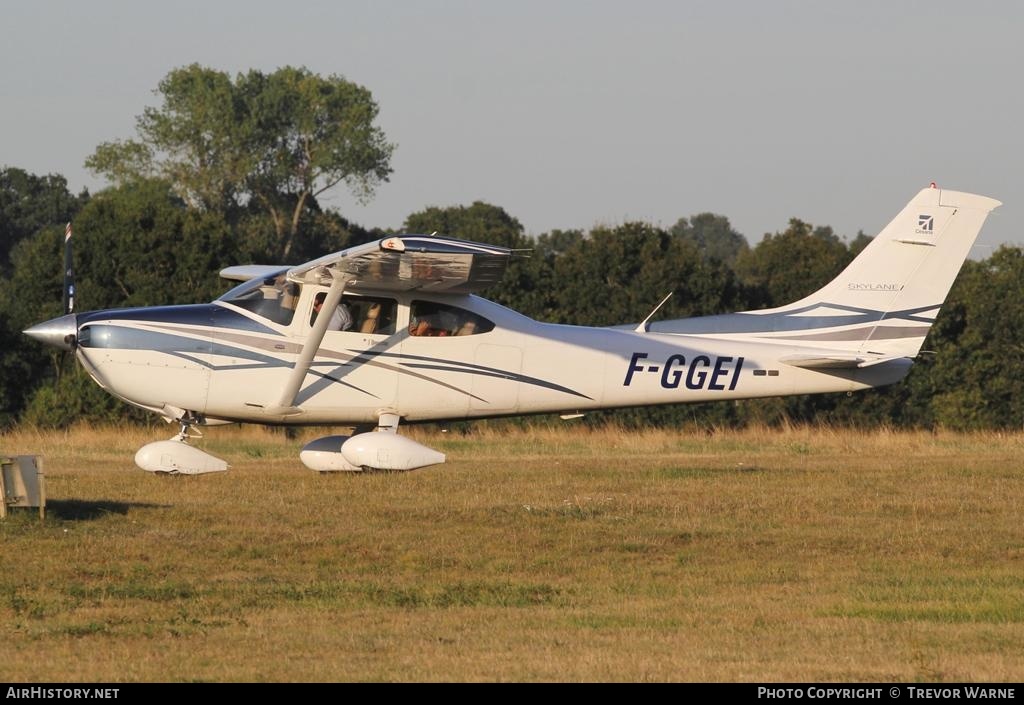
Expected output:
(176, 457)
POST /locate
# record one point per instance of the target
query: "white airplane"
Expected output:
(417, 344)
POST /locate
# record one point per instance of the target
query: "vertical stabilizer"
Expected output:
(892, 291)
(884, 302)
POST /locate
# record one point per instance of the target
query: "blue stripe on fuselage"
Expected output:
(190, 315)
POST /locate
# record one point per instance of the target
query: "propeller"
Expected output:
(61, 332)
(69, 273)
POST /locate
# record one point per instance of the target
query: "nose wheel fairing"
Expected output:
(176, 457)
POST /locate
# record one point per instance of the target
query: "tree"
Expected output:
(310, 134)
(858, 243)
(617, 275)
(279, 140)
(322, 231)
(480, 222)
(29, 203)
(976, 381)
(30, 207)
(141, 246)
(713, 236)
(789, 265)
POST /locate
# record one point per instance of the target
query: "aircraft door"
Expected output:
(439, 366)
(496, 382)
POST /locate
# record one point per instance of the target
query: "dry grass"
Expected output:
(801, 554)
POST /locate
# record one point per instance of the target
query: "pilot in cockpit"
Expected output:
(341, 318)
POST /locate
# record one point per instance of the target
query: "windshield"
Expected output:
(272, 297)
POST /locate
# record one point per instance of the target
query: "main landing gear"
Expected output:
(381, 449)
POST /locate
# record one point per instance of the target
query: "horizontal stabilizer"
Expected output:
(837, 361)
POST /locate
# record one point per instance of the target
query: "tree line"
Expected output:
(228, 170)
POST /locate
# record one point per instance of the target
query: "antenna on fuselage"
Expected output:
(642, 328)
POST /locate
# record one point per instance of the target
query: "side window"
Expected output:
(359, 314)
(427, 318)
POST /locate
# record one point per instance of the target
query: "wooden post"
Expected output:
(42, 487)
(3, 488)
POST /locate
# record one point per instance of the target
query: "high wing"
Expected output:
(410, 262)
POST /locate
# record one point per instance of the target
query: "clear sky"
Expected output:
(572, 113)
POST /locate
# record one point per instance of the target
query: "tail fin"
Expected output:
(885, 301)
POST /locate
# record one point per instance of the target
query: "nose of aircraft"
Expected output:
(58, 332)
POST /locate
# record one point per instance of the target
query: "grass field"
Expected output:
(799, 554)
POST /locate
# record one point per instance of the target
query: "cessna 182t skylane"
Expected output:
(418, 345)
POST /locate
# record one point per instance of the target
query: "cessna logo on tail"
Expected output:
(925, 225)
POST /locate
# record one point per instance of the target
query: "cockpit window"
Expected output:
(359, 314)
(428, 318)
(272, 297)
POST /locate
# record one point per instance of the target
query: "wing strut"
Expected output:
(285, 406)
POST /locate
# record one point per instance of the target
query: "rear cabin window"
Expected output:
(430, 319)
(359, 314)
